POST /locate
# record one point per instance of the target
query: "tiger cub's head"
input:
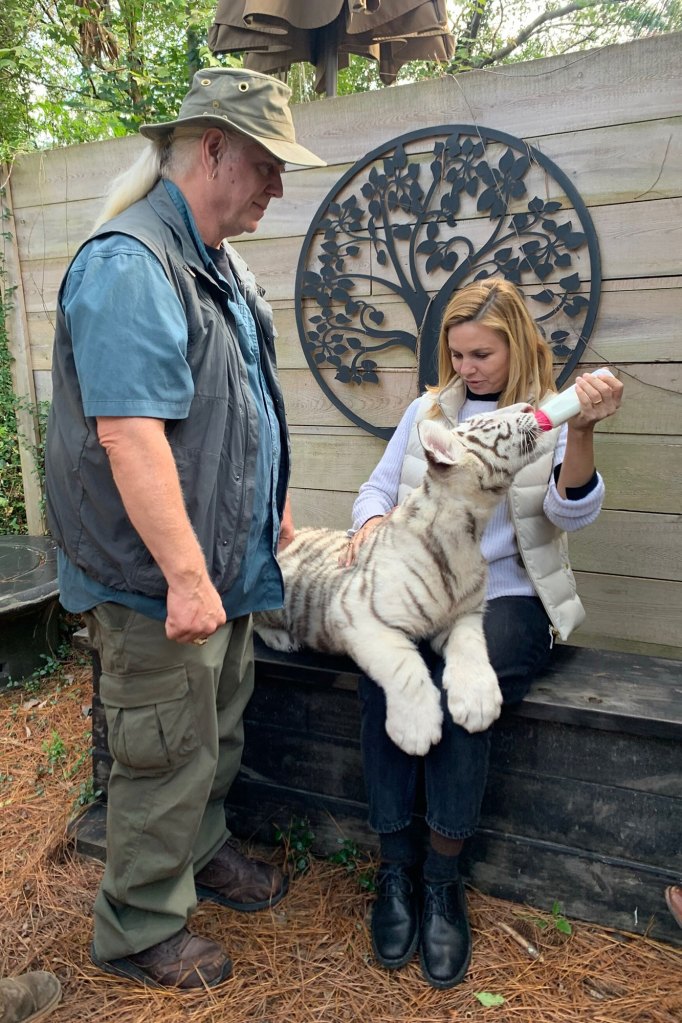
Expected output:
(493, 447)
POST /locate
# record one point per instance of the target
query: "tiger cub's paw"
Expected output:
(415, 724)
(277, 639)
(476, 701)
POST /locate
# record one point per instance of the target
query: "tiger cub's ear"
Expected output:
(440, 445)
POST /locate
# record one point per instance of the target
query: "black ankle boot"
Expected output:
(395, 921)
(445, 950)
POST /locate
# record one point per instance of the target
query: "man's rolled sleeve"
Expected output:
(129, 332)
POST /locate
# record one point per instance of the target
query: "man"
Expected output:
(167, 469)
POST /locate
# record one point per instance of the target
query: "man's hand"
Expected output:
(287, 530)
(194, 611)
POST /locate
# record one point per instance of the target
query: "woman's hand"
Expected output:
(350, 551)
(600, 397)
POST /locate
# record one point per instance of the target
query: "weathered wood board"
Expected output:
(610, 119)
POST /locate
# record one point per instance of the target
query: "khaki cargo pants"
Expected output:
(174, 715)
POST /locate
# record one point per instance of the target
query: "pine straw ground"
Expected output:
(308, 960)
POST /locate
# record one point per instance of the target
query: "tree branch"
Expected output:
(472, 29)
(469, 33)
(534, 25)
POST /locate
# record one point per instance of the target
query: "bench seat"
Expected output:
(583, 803)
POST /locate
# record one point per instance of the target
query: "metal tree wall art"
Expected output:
(411, 223)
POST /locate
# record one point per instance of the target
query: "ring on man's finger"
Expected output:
(200, 641)
(598, 401)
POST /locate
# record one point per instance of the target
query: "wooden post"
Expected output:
(22, 365)
(329, 59)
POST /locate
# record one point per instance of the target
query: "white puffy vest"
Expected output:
(543, 547)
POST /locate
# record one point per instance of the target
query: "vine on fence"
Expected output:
(12, 502)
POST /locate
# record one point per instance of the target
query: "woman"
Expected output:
(491, 355)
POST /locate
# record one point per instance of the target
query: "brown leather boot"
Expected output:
(231, 879)
(29, 997)
(185, 962)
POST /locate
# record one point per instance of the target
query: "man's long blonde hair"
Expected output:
(499, 305)
(169, 157)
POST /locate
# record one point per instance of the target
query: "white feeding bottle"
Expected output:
(564, 405)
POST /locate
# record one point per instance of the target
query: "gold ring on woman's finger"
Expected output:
(200, 641)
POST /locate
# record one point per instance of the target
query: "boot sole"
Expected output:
(211, 895)
(127, 970)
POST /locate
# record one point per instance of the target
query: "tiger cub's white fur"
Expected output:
(420, 575)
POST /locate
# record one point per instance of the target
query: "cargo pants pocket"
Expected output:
(150, 718)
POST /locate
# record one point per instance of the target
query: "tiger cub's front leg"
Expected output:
(413, 710)
(473, 692)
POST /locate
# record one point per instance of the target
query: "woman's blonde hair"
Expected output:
(499, 305)
(169, 157)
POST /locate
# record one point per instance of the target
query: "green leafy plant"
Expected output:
(30, 685)
(55, 749)
(87, 793)
(53, 667)
(353, 860)
(12, 510)
(557, 922)
(58, 757)
(12, 504)
(78, 762)
(297, 840)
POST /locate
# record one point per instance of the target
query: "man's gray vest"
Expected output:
(214, 448)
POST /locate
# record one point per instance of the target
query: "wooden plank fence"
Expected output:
(610, 118)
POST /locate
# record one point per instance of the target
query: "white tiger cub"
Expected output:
(420, 575)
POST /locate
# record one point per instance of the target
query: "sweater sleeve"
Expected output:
(569, 513)
(379, 495)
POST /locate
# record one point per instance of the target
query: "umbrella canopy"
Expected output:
(274, 34)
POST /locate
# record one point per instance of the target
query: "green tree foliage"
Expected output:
(76, 70)
(16, 64)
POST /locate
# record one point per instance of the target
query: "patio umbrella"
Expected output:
(274, 34)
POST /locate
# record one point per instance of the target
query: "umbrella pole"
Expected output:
(329, 61)
(331, 72)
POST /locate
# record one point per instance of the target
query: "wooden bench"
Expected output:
(583, 803)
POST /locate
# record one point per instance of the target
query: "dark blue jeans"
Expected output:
(454, 771)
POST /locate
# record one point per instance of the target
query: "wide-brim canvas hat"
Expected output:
(251, 103)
